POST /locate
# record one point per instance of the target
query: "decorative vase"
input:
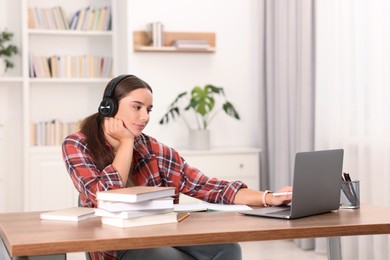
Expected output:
(199, 139)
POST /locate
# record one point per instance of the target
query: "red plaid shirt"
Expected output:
(154, 165)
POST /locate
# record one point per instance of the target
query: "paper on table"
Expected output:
(204, 206)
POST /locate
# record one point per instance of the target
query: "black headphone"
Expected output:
(109, 106)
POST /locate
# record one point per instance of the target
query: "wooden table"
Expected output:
(24, 234)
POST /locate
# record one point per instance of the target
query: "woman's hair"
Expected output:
(92, 126)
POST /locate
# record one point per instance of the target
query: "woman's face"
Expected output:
(134, 110)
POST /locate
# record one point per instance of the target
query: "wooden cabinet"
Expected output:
(49, 186)
(228, 164)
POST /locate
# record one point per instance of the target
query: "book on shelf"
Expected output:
(130, 213)
(163, 203)
(192, 44)
(69, 214)
(162, 218)
(74, 20)
(91, 19)
(155, 34)
(52, 132)
(47, 18)
(135, 194)
(67, 66)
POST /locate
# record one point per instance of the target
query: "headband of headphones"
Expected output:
(115, 83)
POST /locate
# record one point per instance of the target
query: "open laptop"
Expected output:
(316, 186)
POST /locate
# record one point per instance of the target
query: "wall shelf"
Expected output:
(141, 43)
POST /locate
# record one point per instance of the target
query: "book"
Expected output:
(164, 203)
(163, 218)
(69, 214)
(135, 194)
(192, 44)
(129, 213)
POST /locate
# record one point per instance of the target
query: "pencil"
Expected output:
(277, 194)
(183, 217)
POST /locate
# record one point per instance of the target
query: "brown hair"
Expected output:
(92, 126)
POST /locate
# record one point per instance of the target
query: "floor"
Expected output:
(264, 250)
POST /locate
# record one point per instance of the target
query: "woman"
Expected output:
(111, 152)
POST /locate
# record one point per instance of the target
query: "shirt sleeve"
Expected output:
(85, 175)
(199, 185)
(192, 182)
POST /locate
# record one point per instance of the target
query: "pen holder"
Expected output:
(350, 195)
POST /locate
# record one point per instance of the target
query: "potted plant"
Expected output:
(202, 102)
(7, 50)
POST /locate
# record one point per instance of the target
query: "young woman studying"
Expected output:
(110, 152)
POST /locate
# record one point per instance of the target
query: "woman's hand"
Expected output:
(279, 200)
(116, 133)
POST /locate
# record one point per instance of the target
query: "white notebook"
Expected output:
(69, 214)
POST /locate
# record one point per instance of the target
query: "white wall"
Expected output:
(234, 65)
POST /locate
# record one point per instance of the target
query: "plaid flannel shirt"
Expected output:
(155, 164)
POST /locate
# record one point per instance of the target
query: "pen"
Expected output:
(183, 217)
(346, 176)
(277, 194)
(351, 195)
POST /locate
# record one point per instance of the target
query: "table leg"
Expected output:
(3, 251)
(334, 248)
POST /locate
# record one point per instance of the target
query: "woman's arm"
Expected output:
(86, 176)
(255, 198)
(122, 141)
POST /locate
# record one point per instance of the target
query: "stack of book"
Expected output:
(136, 206)
(155, 34)
(191, 44)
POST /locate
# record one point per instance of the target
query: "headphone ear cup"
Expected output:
(108, 107)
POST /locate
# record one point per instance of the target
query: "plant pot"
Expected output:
(199, 139)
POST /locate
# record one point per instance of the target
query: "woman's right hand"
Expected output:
(116, 133)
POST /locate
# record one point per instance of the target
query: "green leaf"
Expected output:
(201, 100)
(230, 110)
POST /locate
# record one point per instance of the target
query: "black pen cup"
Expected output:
(350, 195)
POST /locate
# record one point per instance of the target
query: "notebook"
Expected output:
(316, 186)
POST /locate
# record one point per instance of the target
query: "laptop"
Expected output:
(316, 186)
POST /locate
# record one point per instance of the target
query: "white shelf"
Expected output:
(44, 149)
(69, 32)
(11, 79)
(68, 80)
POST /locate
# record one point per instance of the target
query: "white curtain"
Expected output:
(353, 102)
(289, 70)
(288, 85)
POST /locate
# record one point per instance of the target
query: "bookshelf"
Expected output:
(36, 170)
(140, 41)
